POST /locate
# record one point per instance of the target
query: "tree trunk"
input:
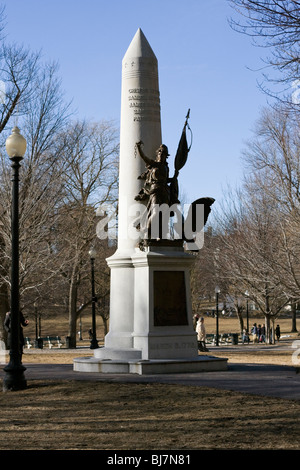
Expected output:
(273, 330)
(72, 313)
(240, 317)
(268, 329)
(268, 316)
(105, 323)
(294, 314)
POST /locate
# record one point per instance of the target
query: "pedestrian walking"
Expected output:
(254, 333)
(195, 320)
(245, 336)
(258, 333)
(263, 334)
(201, 335)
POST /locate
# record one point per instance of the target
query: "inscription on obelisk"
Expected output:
(144, 104)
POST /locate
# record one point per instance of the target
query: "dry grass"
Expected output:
(68, 415)
(104, 416)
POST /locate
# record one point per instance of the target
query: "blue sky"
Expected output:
(203, 65)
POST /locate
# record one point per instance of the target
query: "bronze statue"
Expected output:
(156, 177)
(156, 190)
(160, 189)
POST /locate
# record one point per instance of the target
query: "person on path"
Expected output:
(263, 334)
(254, 333)
(245, 336)
(201, 335)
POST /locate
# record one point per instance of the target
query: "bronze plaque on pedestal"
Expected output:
(169, 298)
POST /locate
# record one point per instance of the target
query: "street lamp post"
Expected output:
(94, 342)
(38, 343)
(247, 310)
(14, 378)
(217, 291)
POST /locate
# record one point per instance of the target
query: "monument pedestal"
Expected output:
(162, 339)
(163, 326)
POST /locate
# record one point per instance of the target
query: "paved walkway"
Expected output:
(266, 380)
(258, 379)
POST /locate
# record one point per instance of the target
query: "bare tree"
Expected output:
(102, 285)
(274, 25)
(90, 179)
(249, 250)
(18, 68)
(40, 187)
(275, 147)
(274, 155)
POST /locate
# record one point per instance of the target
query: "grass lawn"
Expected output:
(77, 415)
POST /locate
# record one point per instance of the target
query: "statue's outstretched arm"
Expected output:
(147, 160)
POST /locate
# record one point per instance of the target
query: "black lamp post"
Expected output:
(14, 378)
(38, 343)
(94, 342)
(217, 291)
(247, 310)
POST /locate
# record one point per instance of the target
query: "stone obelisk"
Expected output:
(140, 121)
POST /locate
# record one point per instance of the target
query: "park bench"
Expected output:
(215, 339)
(50, 341)
(225, 338)
(28, 342)
(53, 341)
(210, 338)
